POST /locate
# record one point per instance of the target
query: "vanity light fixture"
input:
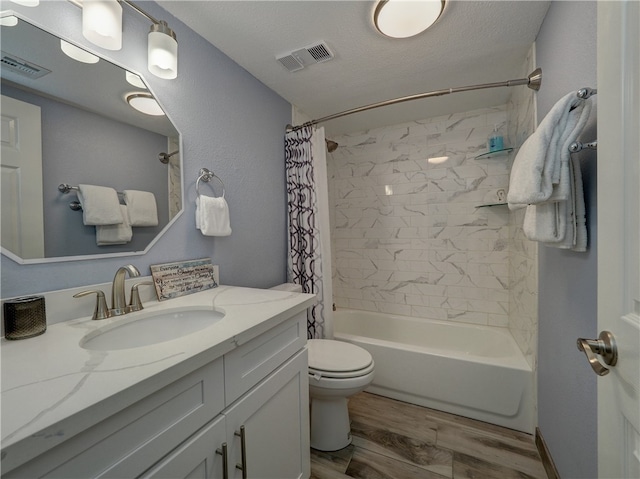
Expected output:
(102, 25)
(134, 80)
(10, 21)
(27, 3)
(144, 103)
(78, 54)
(406, 18)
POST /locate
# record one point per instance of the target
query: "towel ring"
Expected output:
(206, 175)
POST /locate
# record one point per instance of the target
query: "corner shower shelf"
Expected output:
(491, 204)
(492, 154)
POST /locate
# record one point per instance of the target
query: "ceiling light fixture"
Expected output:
(144, 103)
(406, 18)
(78, 54)
(102, 26)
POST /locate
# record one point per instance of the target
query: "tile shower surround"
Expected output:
(407, 236)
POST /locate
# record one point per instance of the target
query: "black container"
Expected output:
(24, 317)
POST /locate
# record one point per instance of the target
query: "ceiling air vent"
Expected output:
(22, 67)
(304, 57)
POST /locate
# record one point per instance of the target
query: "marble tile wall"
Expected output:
(523, 254)
(407, 236)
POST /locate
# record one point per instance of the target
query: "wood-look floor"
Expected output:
(396, 440)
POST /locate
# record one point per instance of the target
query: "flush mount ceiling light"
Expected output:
(406, 18)
(78, 54)
(144, 103)
(102, 26)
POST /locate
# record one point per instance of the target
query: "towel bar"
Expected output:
(577, 146)
(65, 188)
(206, 175)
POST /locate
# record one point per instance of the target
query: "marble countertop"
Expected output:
(52, 388)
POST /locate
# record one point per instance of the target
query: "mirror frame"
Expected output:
(60, 259)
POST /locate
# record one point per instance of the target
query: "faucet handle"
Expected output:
(135, 304)
(101, 310)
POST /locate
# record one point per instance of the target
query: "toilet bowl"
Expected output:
(337, 370)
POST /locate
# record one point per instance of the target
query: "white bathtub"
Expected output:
(469, 370)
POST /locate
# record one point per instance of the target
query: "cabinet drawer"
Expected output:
(126, 444)
(247, 365)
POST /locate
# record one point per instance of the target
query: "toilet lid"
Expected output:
(337, 356)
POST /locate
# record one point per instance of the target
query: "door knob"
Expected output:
(604, 346)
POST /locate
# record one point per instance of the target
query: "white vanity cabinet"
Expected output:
(260, 387)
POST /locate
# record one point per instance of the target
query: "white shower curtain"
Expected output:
(309, 248)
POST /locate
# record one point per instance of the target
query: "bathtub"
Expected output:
(464, 369)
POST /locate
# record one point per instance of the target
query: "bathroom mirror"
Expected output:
(88, 134)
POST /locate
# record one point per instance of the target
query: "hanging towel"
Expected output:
(115, 234)
(142, 208)
(212, 216)
(540, 171)
(100, 205)
(560, 224)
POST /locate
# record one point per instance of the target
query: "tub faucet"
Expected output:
(118, 299)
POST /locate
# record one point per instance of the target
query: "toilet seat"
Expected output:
(338, 359)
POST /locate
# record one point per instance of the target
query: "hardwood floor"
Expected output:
(396, 440)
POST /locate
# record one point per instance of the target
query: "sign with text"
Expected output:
(183, 277)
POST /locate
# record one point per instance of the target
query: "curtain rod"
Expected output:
(533, 81)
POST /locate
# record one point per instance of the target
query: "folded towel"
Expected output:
(540, 171)
(212, 216)
(142, 208)
(100, 205)
(115, 234)
(560, 224)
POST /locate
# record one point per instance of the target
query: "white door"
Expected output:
(618, 235)
(22, 227)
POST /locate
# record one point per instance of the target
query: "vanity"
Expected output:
(225, 400)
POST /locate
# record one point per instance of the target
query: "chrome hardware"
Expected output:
(118, 298)
(577, 146)
(101, 311)
(225, 460)
(604, 346)
(586, 92)
(75, 206)
(135, 304)
(243, 452)
(207, 175)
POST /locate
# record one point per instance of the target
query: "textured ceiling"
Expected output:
(473, 42)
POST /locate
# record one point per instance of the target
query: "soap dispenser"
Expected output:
(495, 142)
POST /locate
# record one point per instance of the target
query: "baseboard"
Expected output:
(545, 455)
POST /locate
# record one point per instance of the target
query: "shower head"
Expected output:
(164, 157)
(331, 146)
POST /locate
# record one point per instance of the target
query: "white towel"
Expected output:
(560, 224)
(115, 234)
(540, 171)
(212, 216)
(142, 208)
(100, 205)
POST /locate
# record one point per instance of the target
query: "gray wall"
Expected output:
(566, 52)
(121, 156)
(230, 123)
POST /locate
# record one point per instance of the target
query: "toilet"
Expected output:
(337, 370)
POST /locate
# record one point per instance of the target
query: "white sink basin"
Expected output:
(148, 330)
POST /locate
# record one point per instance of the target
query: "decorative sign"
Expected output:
(183, 277)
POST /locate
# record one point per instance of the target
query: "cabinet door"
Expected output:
(196, 458)
(275, 416)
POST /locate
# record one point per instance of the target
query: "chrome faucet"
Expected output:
(118, 298)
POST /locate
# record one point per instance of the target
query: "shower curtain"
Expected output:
(309, 248)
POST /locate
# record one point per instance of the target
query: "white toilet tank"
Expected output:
(291, 287)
